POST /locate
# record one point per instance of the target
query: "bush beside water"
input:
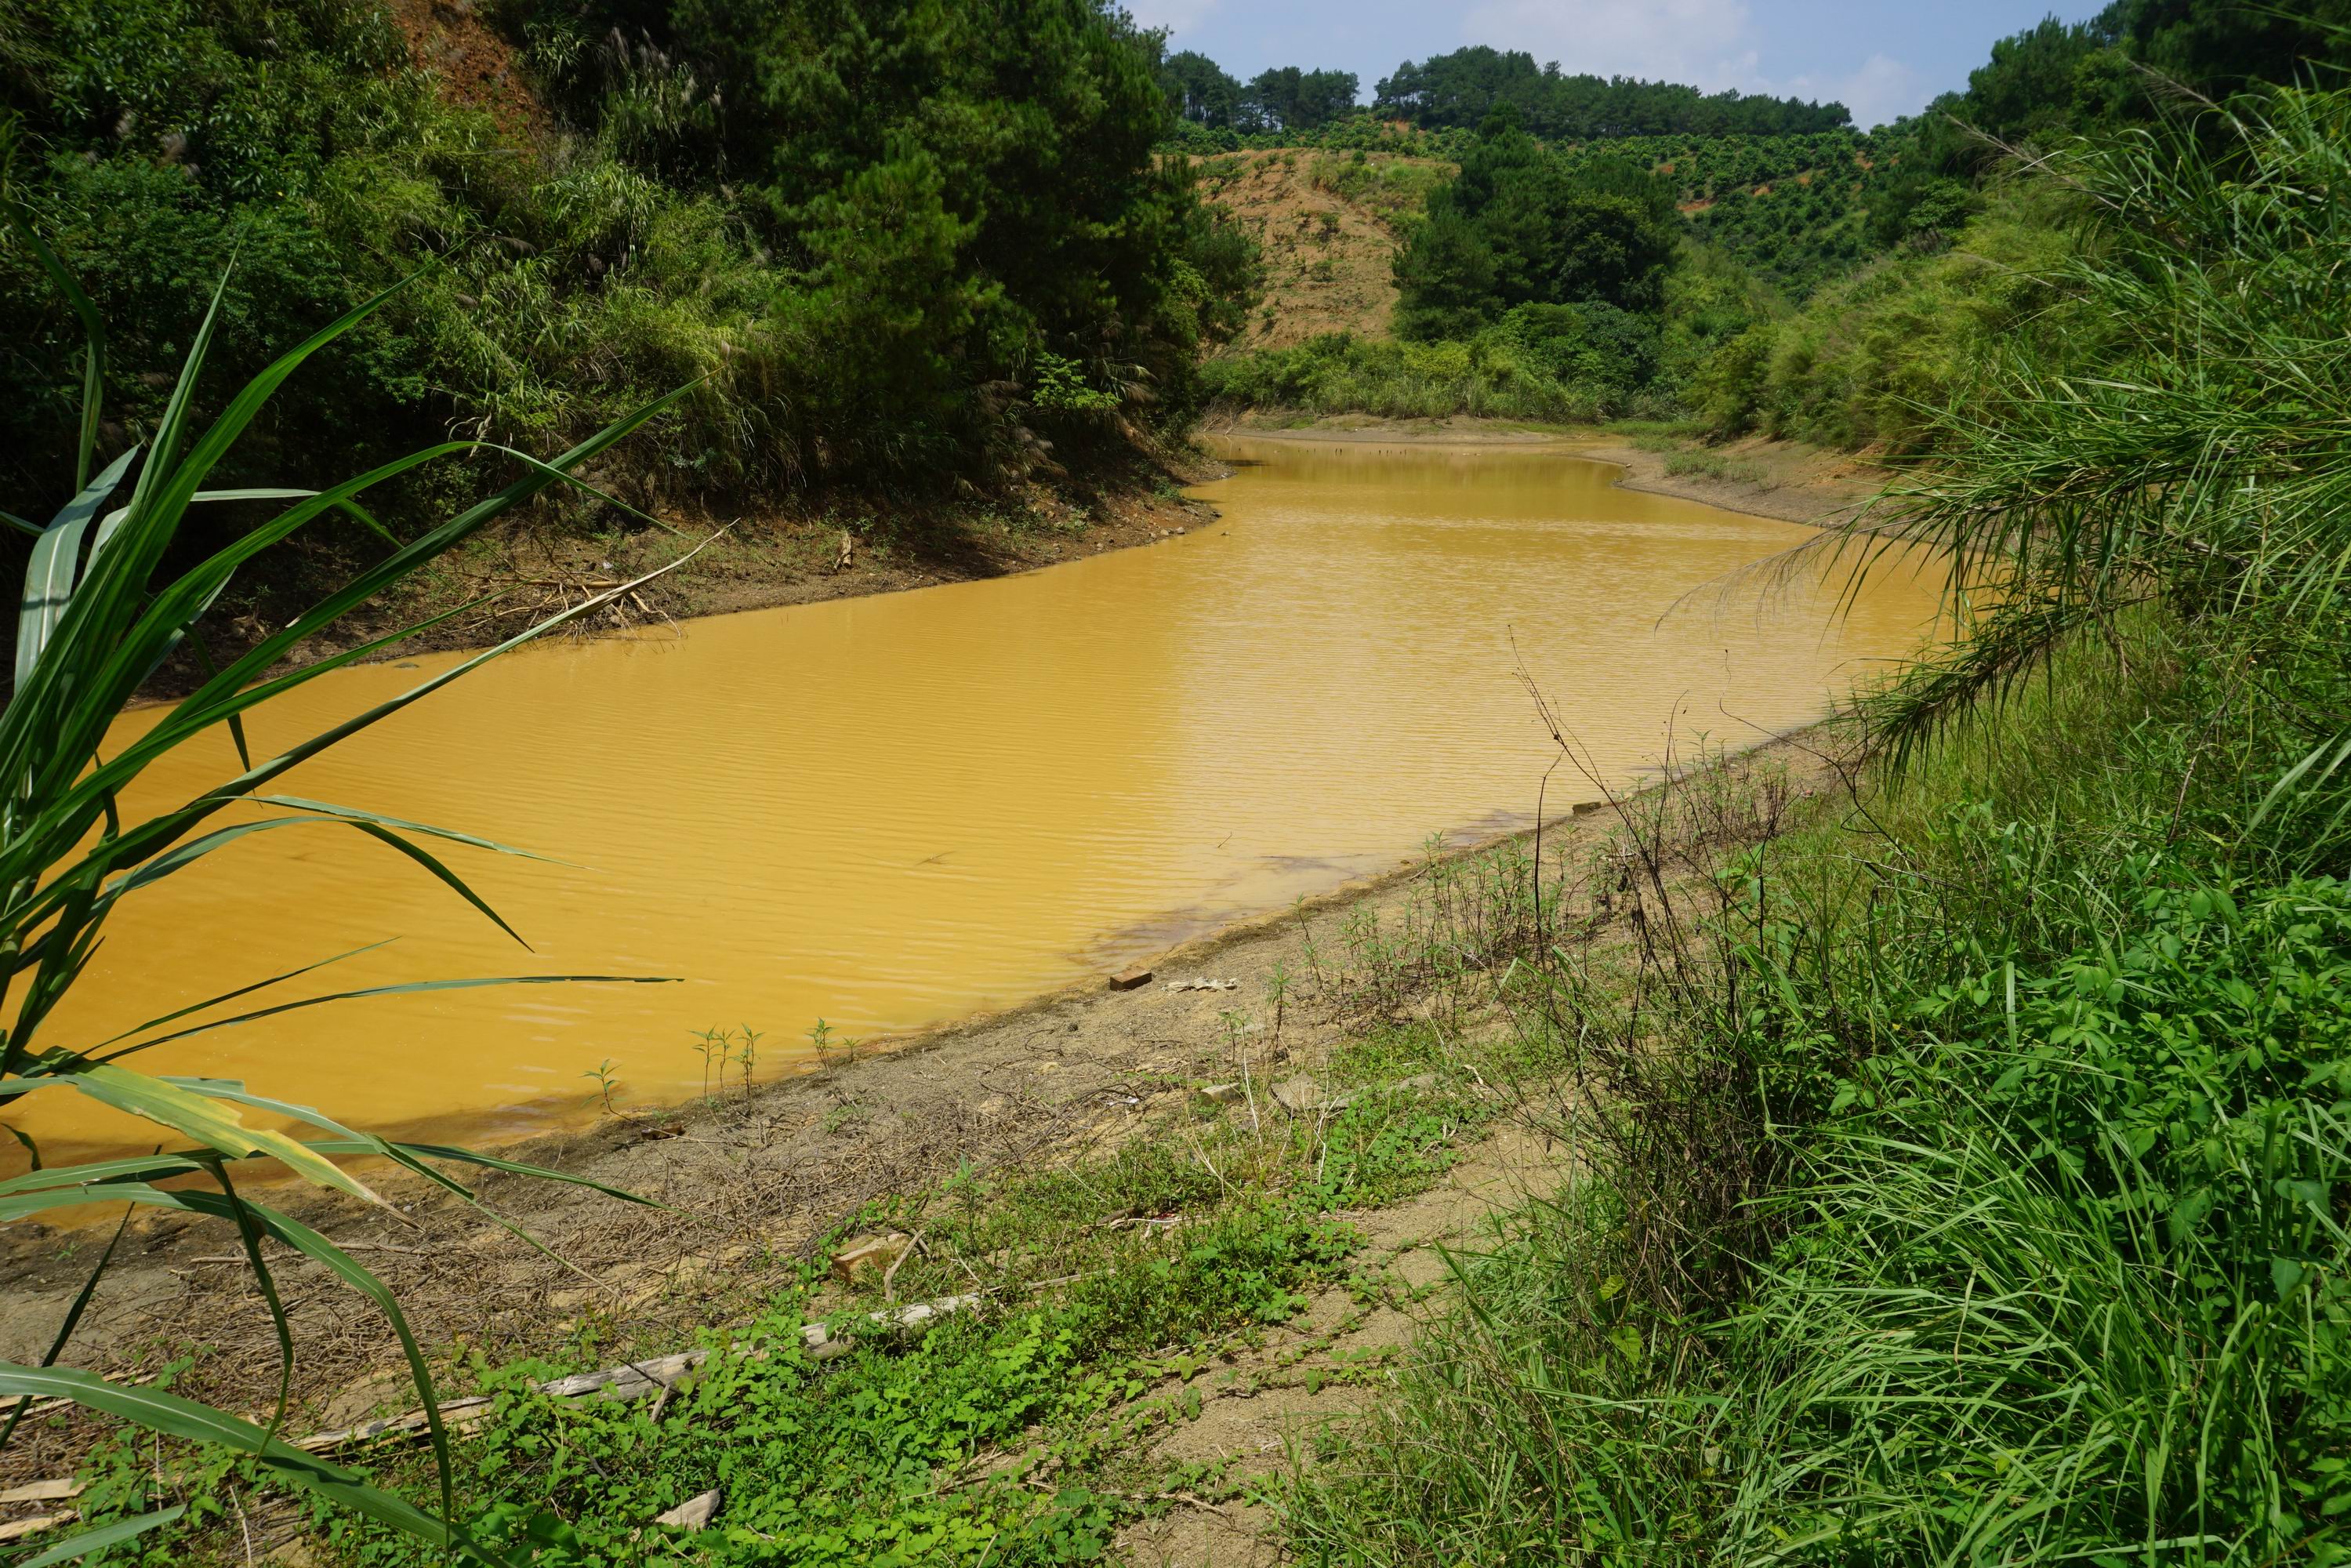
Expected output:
(982, 261)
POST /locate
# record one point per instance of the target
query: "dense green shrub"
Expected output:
(1554, 362)
(1519, 225)
(1345, 375)
(1526, 367)
(1879, 358)
(865, 229)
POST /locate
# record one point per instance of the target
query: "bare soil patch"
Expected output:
(1265, 1411)
(1330, 261)
(470, 61)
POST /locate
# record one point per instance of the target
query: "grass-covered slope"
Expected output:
(1971, 1161)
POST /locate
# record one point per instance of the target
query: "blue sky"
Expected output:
(1880, 60)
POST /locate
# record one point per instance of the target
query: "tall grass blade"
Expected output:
(55, 567)
(193, 1115)
(184, 1418)
(403, 988)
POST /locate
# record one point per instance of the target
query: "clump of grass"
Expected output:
(1698, 461)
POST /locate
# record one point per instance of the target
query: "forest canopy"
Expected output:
(1459, 89)
(887, 240)
(1285, 98)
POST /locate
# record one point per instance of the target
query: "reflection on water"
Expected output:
(889, 811)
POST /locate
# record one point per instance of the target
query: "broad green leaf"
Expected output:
(54, 569)
(257, 493)
(207, 1121)
(91, 1173)
(234, 689)
(234, 1089)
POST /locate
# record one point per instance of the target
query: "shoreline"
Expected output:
(1783, 480)
(856, 546)
(1077, 1063)
(781, 560)
(756, 1184)
(546, 1124)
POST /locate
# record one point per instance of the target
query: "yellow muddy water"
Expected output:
(894, 810)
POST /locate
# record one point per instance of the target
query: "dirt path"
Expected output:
(1267, 1411)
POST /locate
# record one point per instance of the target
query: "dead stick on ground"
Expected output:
(890, 1275)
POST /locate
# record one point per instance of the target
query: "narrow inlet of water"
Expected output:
(889, 811)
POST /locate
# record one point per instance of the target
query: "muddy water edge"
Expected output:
(887, 813)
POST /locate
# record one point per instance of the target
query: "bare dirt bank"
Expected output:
(842, 545)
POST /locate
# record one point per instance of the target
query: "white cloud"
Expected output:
(1177, 16)
(1882, 89)
(1677, 40)
(1709, 44)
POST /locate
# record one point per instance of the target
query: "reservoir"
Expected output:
(885, 813)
